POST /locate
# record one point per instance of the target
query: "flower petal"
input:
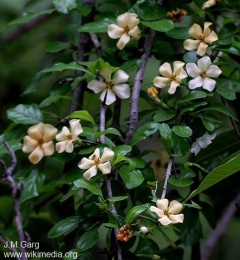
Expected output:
(213, 71)
(132, 20)
(181, 75)
(165, 220)
(205, 140)
(135, 33)
(61, 146)
(195, 148)
(177, 67)
(193, 70)
(120, 77)
(64, 135)
(106, 73)
(95, 156)
(29, 144)
(166, 70)
(107, 155)
(209, 3)
(124, 39)
(173, 87)
(36, 156)
(86, 163)
(36, 131)
(69, 147)
(209, 84)
(191, 45)
(195, 31)
(122, 91)
(115, 31)
(122, 20)
(90, 173)
(96, 86)
(158, 211)
(206, 29)
(162, 204)
(195, 83)
(204, 63)
(175, 207)
(161, 82)
(105, 168)
(76, 128)
(202, 48)
(48, 132)
(212, 37)
(177, 218)
(110, 97)
(48, 148)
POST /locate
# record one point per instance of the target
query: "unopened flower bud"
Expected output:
(144, 230)
(152, 93)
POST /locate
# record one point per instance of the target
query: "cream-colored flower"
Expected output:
(168, 213)
(39, 142)
(170, 77)
(95, 162)
(67, 137)
(126, 28)
(202, 142)
(203, 74)
(202, 38)
(144, 229)
(111, 87)
(209, 3)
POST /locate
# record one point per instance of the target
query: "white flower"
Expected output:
(39, 142)
(209, 3)
(144, 230)
(111, 87)
(202, 142)
(67, 137)
(202, 74)
(168, 213)
(95, 162)
(127, 28)
(170, 77)
(202, 38)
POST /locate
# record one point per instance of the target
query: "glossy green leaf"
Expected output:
(64, 227)
(97, 27)
(192, 205)
(179, 33)
(131, 65)
(166, 136)
(134, 212)
(122, 149)
(131, 179)
(192, 107)
(218, 174)
(118, 198)
(208, 124)
(163, 115)
(193, 95)
(190, 57)
(225, 90)
(25, 114)
(180, 145)
(144, 131)
(180, 182)
(65, 6)
(111, 131)
(147, 247)
(88, 240)
(83, 115)
(122, 158)
(55, 46)
(58, 67)
(163, 25)
(52, 99)
(182, 131)
(91, 186)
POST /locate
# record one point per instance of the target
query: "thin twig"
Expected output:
(137, 86)
(16, 192)
(168, 174)
(219, 231)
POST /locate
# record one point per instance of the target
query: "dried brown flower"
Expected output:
(177, 16)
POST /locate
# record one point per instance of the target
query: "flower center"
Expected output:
(110, 85)
(126, 29)
(69, 137)
(165, 212)
(173, 77)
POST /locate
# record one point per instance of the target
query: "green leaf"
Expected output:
(218, 174)
(97, 27)
(182, 131)
(119, 198)
(63, 66)
(87, 240)
(131, 179)
(144, 131)
(122, 158)
(131, 65)
(166, 136)
(14, 144)
(83, 115)
(208, 124)
(193, 95)
(193, 106)
(56, 46)
(178, 33)
(225, 90)
(91, 186)
(110, 130)
(27, 17)
(146, 248)
(180, 182)
(52, 99)
(180, 145)
(163, 115)
(163, 25)
(192, 205)
(110, 225)
(64, 227)
(134, 212)
(122, 149)
(25, 114)
(65, 6)
(190, 57)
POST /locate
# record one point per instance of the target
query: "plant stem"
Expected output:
(137, 86)
(168, 174)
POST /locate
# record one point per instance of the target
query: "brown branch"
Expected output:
(222, 225)
(137, 86)
(168, 174)
(16, 192)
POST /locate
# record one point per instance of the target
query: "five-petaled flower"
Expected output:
(66, 138)
(170, 77)
(39, 142)
(127, 28)
(95, 162)
(209, 3)
(168, 213)
(203, 74)
(202, 38)
(111, 87)
(202, 142)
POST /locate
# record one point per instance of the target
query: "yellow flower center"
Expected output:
(126, 29)
(166, 213)
(110, 85)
